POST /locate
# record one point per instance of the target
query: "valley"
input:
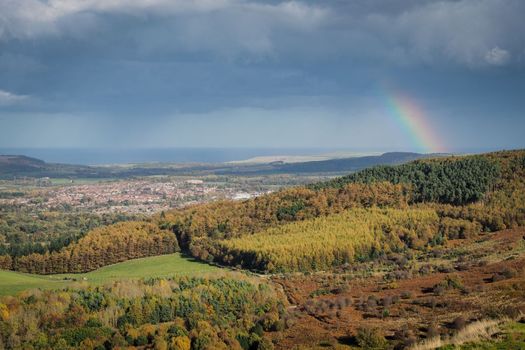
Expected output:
(426, 254)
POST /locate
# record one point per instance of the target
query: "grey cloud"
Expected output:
(461, 32)
(497, 56)
(441, 32)
(132, 62)
(7, 98)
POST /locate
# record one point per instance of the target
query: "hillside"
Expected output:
(20, 162)
(452, 187)
(325, 242)
(445, 296)
(351, 164)
(390, 257)
(21, 166)
(14, 282)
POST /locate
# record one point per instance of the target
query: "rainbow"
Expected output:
(414, 121)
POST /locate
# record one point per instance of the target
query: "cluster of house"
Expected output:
(129, 196)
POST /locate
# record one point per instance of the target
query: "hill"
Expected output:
(451, 187)
(351, 164)
(12, 165)
(21, 166)
(20, 162)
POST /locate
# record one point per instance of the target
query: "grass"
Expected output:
(157, 266)
(79, 181)
(13, 282)
(512, 337)
(481, 335)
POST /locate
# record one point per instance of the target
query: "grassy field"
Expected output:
(80, 181)
(14, 282)
(157, 266)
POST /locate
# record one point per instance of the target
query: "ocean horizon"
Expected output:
(104, 156)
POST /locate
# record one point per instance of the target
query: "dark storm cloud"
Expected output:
(472, 32)
(105, 62)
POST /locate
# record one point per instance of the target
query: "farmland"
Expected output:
(13, 282)
(158, 266)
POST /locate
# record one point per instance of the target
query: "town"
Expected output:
(131, 196)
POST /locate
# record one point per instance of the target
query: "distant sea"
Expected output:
(94, 156)
(100, 156)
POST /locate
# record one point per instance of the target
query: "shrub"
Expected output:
(459, 323)
(141, 340)
(439, 289)
(506, 273)
(370, 338)
(371, 303)
(509, 272)
(432, 330)
(405, 336)
(450, 282)
(498, 312)
(407, 294)
(264, 344)
(386, 301)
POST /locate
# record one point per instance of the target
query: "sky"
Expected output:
(416, 75)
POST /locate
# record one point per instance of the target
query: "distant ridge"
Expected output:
(12, 166)
(21, 166)
(17, 164)
(348, 164)
(21, 161)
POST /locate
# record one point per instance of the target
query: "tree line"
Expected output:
(100, 247)
(24, 231)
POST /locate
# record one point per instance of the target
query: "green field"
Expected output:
(79, 181)
(14, 282)
(157, 266)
